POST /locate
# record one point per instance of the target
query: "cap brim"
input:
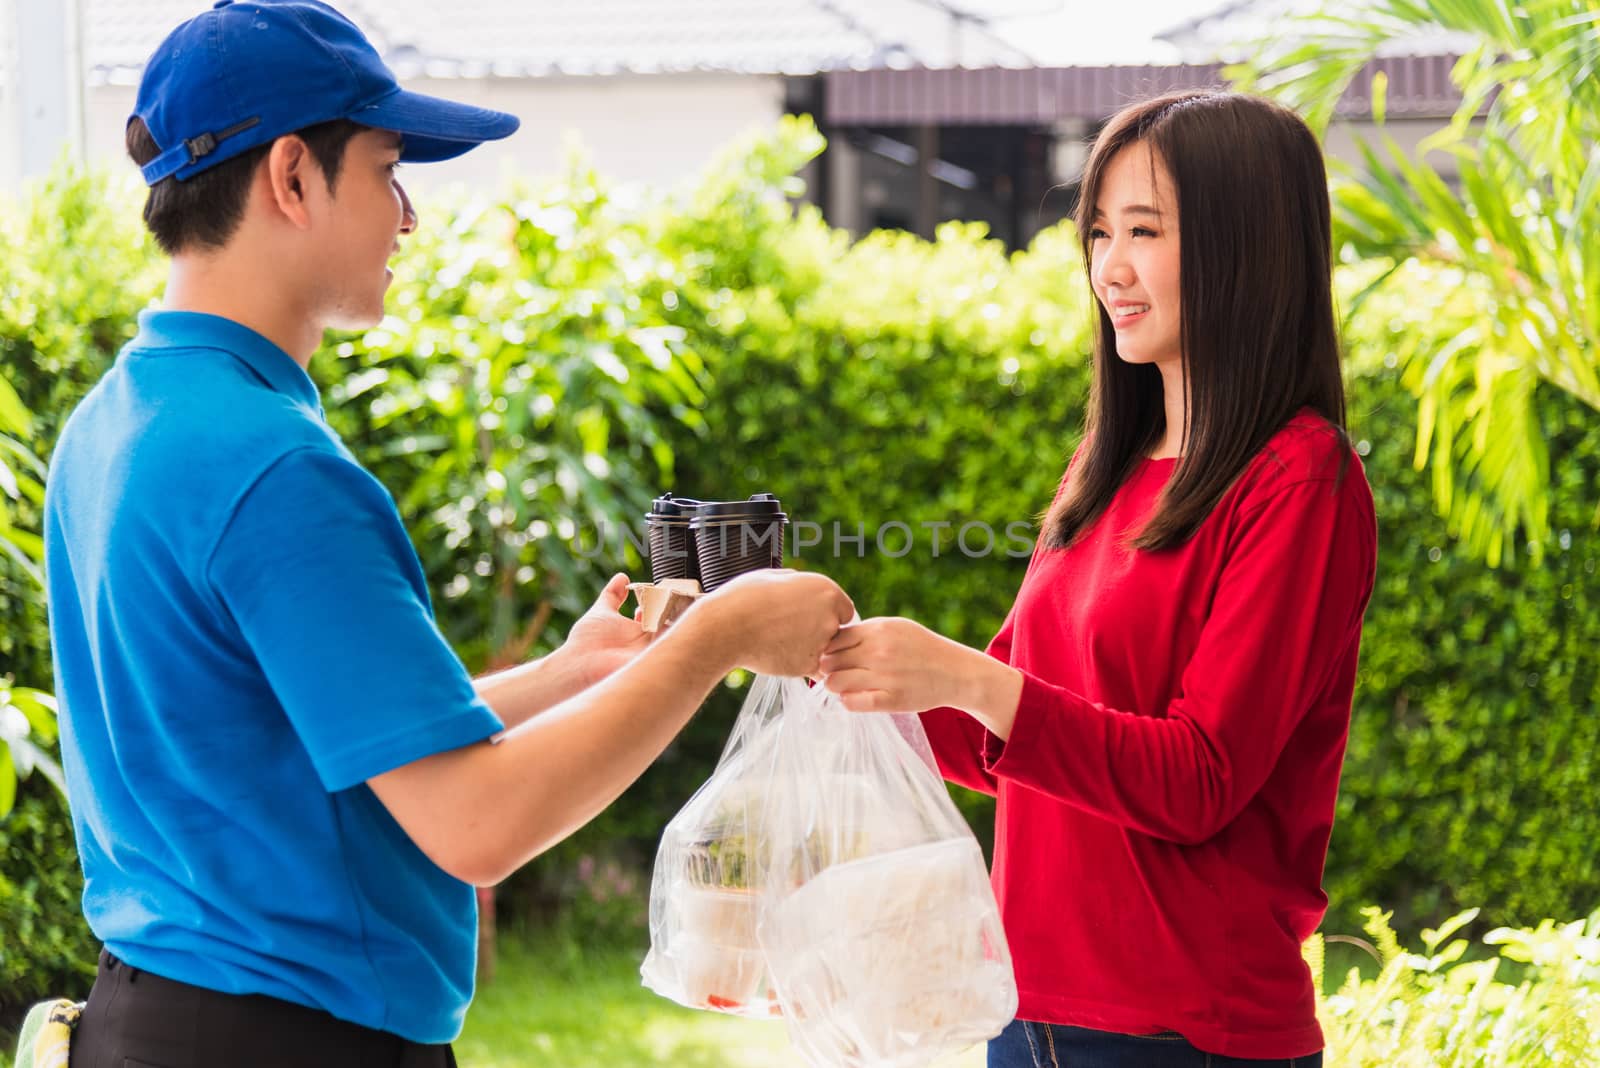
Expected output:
(433, 128)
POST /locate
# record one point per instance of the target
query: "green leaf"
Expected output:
(8, 780)
(8, 481)
(1433, 939)
(15, 545)
(14, 416)
(41, 710)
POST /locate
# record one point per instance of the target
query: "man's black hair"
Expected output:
(204, 210)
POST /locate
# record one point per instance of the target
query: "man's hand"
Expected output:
(772, 621)
(603, 639)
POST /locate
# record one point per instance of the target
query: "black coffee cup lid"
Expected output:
(759, 506)
(668, 505)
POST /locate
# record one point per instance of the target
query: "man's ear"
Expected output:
(290, 173)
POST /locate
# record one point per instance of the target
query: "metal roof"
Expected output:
(1235, 30)
(1419, 87)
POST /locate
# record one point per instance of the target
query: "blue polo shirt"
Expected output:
(242, 637)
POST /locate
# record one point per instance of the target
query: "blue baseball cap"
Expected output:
(244, 73)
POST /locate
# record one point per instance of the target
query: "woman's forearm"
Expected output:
(990, 692)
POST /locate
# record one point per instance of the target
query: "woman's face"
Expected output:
(1133, 257)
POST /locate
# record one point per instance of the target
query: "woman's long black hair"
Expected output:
(1258, 331)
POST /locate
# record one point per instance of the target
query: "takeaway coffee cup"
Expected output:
(672, 551)
(732, 537)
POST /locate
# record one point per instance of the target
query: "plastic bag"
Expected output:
(705, 891)
(823, 872)
(881, 932)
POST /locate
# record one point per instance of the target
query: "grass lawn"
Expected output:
(555, 1003)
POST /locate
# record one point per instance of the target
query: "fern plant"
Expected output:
(1535, 1002)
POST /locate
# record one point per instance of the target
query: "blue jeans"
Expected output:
(1036, 1045)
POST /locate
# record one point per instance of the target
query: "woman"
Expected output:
(1164, 712)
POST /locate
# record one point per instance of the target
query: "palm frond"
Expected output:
(1516, 232)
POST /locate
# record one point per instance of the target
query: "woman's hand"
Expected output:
(889, 664)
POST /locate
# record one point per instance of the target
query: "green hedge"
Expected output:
(1473, 774)
(516, 402)
(890, 381)
(543, 373)
(45, 947)
(77, 270)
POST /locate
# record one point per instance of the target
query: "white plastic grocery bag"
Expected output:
(704, 894)
(823, 871)
(881, 931)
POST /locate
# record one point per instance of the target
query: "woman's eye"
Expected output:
(1096, 234)
(1140, 231)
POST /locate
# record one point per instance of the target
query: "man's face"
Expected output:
(367, 212)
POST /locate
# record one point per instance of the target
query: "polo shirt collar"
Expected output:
(163, 329)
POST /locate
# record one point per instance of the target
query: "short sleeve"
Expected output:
(316, 572)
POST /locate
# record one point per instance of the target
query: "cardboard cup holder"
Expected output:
(661, 603)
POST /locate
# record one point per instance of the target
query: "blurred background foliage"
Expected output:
(556, 356)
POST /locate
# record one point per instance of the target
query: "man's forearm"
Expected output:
(482, 811)
(519, 693)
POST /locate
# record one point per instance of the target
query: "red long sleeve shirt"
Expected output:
(1167, 791)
